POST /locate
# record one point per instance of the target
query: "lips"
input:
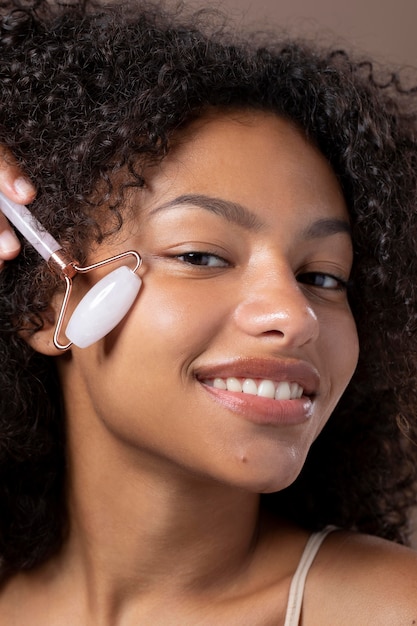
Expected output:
(289, 370)
(263, 391)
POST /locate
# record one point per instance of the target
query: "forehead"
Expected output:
(256, 159)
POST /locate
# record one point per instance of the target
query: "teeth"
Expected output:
(233, 384)
(265, 388)
(249, 386)
(295, 390)
(283, 391)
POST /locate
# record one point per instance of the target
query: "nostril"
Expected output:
(273, 333)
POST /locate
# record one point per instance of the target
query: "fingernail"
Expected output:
(8, 242)
(23, 187)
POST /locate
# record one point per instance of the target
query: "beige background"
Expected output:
(386, 29)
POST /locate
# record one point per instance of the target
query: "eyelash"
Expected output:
(189, 257)
(306, 278)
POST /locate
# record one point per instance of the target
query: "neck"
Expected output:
(140, 525)
(147, 528)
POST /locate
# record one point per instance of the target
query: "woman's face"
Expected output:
(241, 340)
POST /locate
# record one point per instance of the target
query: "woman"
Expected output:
(270, 193)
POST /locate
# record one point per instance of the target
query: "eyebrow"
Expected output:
(231, 211)
(326, 227)
(241, 216)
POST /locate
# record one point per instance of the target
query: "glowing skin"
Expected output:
(259, 302)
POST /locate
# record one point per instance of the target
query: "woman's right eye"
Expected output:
(202, 259)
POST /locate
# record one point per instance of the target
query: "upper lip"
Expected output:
(290, 370)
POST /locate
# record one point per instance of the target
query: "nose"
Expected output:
(276, 307)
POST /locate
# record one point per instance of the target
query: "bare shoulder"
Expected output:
(367, 580)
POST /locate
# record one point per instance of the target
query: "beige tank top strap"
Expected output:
(295, 598)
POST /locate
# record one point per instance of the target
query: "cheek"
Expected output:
(342, 347)
(173, 324)
(339, 350)
(349, 348)
(145, 394)
(166, 329)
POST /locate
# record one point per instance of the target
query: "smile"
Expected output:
(263, 388)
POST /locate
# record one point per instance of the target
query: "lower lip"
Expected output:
(265, 411)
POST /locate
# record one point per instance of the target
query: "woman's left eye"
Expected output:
(202, 259)
(323, 281)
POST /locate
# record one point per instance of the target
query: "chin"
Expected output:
(266, 479)
(269, 469)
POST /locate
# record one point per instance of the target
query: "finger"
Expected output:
(9, 243)
(12, 181)
(17, 188)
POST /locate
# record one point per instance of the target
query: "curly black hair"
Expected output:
(92, 95)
